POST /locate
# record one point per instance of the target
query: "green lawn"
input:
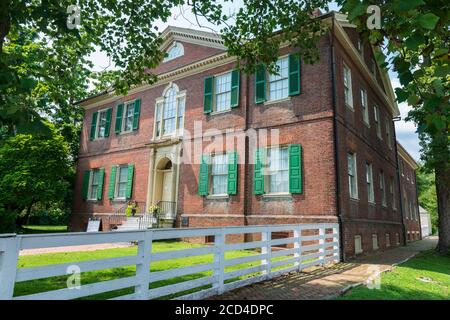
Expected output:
(403, 282)
(54, 283)
(43, 229)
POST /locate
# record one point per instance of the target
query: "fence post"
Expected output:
(322, 245)
(266, 249)
(336, 247)
(9, 254)
(297, 253)
(143, 266)
(219, 260)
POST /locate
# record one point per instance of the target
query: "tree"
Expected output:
(415, 36)
(33, 169)
(126, 32)
(427, 194)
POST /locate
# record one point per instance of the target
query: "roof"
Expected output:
(212, 39)
(406, 156)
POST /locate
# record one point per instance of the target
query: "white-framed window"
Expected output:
(360, 47)
(222, 92)
(358, 244)
(392, 192)
(375, 241)
(365, 107)
(128, 117)
(352, 179)
(369, 180)
(279, 83)
(94, 182)
(376, 114)
(175, 51)
(101, 124)
(278, 169)
(388, 134)
(388, 240)
(348, 92)
(219, 174)
(121, 182)
(397, 239)
(374, 67)
(169, 113)
(382, 189)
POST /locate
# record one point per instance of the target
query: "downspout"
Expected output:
(400, 195)
(335, 139)
(247, 192)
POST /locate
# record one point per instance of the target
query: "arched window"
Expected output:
(169, 113)
(175, 51)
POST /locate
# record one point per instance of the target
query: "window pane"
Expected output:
(129, 116)
(169, 111)
(278, 84)
(219, 173)
(123, 174)
(223, 92)
(278, 163)
(101, 124)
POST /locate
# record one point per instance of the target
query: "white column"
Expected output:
(143, 266)
(9, 254)
(151, 176)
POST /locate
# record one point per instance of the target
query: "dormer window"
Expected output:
(175, 51)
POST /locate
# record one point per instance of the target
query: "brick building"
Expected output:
(212, 146)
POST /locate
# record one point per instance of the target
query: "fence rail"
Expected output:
(306, 245)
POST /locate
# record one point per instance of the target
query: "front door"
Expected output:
(167, 186)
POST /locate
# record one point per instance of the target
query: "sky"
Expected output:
(182, 17)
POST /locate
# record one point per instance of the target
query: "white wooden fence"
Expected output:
(305, 245)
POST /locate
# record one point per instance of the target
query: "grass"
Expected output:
(31, 229)
(54, 283)
(426, 276)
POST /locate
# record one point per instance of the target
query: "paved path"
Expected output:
(89, 247)
(329, 282)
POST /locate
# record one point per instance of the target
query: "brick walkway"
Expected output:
(329, 282)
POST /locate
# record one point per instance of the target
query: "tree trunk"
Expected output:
(443, 202)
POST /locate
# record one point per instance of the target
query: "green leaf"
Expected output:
(428, 21)
(402, 95)
(415, 41)
(401, 6)
(356, 11)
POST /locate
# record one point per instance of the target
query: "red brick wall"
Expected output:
(353, 135)
(409, 201)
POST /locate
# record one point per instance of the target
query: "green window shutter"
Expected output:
(129, 189)
(93, 126)
(119, 114)
(258, 177)
(203, 178)
(137, 112)
(235, 80)
(295, 168)
(112, 182)
(260, 84)
(294, 74)
(208, 94)
(108, 121)
(100, 183)
(232, 173)
(86, 178)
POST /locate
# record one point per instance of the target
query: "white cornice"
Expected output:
(199, 37)
(406, 156)
(164, 78)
